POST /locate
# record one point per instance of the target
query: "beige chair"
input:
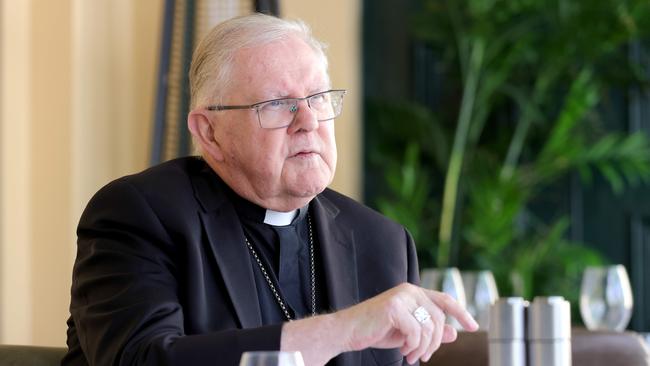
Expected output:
(588, 349)
(30, 355)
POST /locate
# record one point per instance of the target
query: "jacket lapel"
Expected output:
(339, 260)
(336, 244)
(222, 229)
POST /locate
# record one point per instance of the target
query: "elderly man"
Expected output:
(199, 259)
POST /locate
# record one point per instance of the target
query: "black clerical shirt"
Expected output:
(285, 254)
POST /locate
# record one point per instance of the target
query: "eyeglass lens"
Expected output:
(280, 113)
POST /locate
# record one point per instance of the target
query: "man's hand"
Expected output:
(387, 321)
(384, 321)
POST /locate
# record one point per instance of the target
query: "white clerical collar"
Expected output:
(277, 218)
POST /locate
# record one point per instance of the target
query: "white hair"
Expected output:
(212, 60)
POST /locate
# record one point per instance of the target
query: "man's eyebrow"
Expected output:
(318, 90)
(270, 95)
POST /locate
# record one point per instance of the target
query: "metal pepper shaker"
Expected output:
(549, 332)
(507, 345)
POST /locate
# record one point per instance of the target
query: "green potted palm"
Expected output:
(526, 86)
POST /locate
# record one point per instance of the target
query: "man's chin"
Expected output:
(307, 182)
(293, 198)
(308, 189)
(308, 192)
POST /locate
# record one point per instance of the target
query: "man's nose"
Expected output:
(304, 119)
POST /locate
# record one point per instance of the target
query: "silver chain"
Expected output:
(276, 294)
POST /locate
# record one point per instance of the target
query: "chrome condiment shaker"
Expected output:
(507, 345)
(549, 332)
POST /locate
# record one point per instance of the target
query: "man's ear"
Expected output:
(203, 133)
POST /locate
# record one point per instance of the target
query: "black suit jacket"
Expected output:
(163, 277)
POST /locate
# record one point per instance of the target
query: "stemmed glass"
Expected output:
(447, 280)
(606, 298)
(481, 292)
(271, 358)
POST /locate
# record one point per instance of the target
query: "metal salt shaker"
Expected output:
(507, 345)
(549, 332)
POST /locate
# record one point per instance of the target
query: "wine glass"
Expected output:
(480, 292)
(447, 280)
(271, 358)
(606, 298)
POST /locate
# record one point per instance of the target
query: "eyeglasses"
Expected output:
(278, 113)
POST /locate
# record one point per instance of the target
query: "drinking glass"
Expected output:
(480, 292)
(447, 280)
(606, 298)
(271, 358)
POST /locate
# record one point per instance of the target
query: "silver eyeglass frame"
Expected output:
(257, 106)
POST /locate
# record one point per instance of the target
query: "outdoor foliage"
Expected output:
(525, 86)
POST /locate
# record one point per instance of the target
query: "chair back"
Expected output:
(11, 355)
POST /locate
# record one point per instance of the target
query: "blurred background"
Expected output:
(506, 135)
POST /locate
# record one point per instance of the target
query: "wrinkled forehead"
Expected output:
(284, 67)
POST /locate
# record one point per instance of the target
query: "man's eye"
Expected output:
(275, 104)
(321, 98)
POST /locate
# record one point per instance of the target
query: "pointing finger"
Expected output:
(451, 307)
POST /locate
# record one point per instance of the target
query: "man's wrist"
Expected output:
(319, 339)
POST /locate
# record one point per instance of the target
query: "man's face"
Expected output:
(283, 168)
